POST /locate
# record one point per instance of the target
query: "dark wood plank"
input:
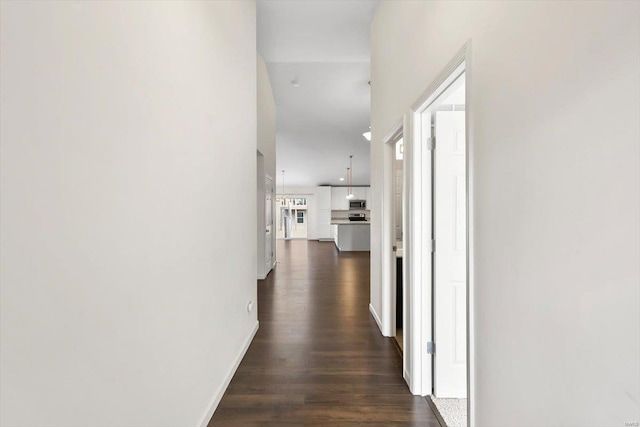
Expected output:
(318, 357)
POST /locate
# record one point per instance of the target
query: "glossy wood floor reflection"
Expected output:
(318, 357)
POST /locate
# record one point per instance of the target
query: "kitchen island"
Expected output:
(351, 235)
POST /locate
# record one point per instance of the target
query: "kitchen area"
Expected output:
(326, 214)
(350, 220)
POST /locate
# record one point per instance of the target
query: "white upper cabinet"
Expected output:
(339, 200)
(324, 198)
(359, 193)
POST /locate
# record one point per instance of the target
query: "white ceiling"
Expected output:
(324, 46)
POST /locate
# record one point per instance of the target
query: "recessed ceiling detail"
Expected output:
(318, 57)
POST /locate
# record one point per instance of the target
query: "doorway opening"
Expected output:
(439, 242)
(265, 224)
(292, 217)
(393, 318)
(437, 297)
(397, 219)
(445, 122)
(269, 214)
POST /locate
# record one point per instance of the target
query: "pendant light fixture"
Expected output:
(283, 182)
(350, 172)
(282, 197)
(349, 195)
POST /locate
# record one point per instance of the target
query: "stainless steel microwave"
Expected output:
(357, 204)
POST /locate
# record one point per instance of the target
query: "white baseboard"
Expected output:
(264, 276)
(407, 379)
(375, 317)
(217, 397)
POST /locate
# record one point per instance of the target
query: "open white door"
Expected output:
(449, 226)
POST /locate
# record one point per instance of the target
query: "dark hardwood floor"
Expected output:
(318, 357)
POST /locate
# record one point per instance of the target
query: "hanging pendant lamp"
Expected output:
(350, 172)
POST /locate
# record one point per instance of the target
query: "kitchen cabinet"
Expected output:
(324, 224)
(358, 193)
(323, 197)
(339, 200)
(323, 211)
(352, 236)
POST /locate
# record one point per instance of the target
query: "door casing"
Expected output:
(269, 224)
(417, 262)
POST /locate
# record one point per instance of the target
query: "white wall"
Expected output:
(555, 101)
(267, 149)
(266, 118)
(125, 128)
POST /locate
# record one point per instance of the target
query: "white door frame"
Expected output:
(418, 230)
(416, 367)
(273, 222)
(388, 233)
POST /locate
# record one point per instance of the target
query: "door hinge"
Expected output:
(431, 143)
(433, 245)
(431, 347)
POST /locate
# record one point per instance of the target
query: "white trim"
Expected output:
(407, 378)
(395, 132)
(418, 225)
(263, 277)
(471, 343)
(217, 397)
(375, 316)
(413, 261)
(432, 92)
(388, 240)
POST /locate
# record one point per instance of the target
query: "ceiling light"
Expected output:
(341, 179)
(295, 83)
(367, 136)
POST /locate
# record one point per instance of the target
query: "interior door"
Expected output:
(268, 241)
(450, 275)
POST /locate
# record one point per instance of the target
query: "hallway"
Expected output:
(318, 357)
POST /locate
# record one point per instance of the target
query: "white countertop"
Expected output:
(347, 222)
